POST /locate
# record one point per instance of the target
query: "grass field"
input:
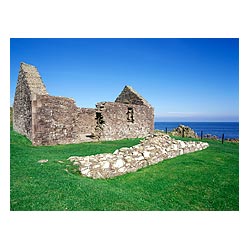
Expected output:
(204, 180)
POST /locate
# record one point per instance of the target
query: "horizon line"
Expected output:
(195, 121)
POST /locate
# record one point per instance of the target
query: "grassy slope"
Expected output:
(204, 180)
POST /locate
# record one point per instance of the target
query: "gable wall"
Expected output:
(22, 111)
(29, 84)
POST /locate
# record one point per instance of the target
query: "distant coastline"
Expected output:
(229, 129)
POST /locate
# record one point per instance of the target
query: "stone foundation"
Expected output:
(151, 150)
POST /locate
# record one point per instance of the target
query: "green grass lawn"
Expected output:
(204, 180)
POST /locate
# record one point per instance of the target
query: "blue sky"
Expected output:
(184, 79)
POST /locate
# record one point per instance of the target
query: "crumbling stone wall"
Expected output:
(130, 96)
(29, 85)
(121, 120)
(22, 111)
(151, 150)
(51, 120)
(57, 120)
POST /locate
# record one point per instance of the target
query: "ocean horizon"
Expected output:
(229, 129)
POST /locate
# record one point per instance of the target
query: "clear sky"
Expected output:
(183, 79)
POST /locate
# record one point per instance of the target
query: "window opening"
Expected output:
(99, 118)
(130, 114)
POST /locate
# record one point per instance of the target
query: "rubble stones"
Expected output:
(151, 150)
(43, 161)
(236, 140)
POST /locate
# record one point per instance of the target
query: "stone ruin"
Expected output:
(151, 150)
(51, 120)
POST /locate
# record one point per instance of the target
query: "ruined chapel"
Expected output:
(51, 120)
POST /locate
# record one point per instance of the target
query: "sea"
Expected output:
(229, 129)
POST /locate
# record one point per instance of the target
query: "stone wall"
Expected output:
(22, 111)
(50, 120)
(57, 120)
(130, 96)
(121, 120)
(29, 84)
(151, 150)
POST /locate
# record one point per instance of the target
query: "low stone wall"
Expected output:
(151, 150)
